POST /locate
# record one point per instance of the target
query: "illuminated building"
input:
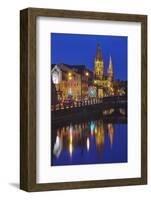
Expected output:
(81, 83)
(110, 70)
(74, 81)
(99, 65)
(86, 77)
(104, 84)
(70, 83)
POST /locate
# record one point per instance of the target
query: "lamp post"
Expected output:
(95, 83)
(87, 78)
(87, 74)
(69, 79)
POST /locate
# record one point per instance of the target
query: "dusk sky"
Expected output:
(77, 49)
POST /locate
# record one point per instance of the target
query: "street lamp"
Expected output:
(70, 78)
(87, 73)
(69, 75)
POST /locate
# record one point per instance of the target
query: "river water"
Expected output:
(89, 142)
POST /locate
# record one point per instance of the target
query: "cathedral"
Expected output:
(104, 84)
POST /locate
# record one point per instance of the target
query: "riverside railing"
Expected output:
(90, 102)
(77, 104)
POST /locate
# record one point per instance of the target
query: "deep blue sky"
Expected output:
(77, 49)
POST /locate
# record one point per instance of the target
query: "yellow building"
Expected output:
(99, 65)
(110, 71)
(70, 85)
(104, 84)
(71, 81)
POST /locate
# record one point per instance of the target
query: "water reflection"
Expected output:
(89, 143)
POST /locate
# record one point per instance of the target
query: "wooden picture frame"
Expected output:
(28, 98)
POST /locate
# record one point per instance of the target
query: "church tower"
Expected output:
(99, 65)
(110, 71)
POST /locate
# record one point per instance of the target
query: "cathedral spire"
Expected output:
(110, 70)
(99, 55)
(99, 65)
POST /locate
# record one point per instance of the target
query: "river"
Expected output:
(89, 142)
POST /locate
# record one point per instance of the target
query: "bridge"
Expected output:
(106, 106)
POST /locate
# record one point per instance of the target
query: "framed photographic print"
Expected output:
(83, 99)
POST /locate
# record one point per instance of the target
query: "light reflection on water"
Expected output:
(89, 143)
